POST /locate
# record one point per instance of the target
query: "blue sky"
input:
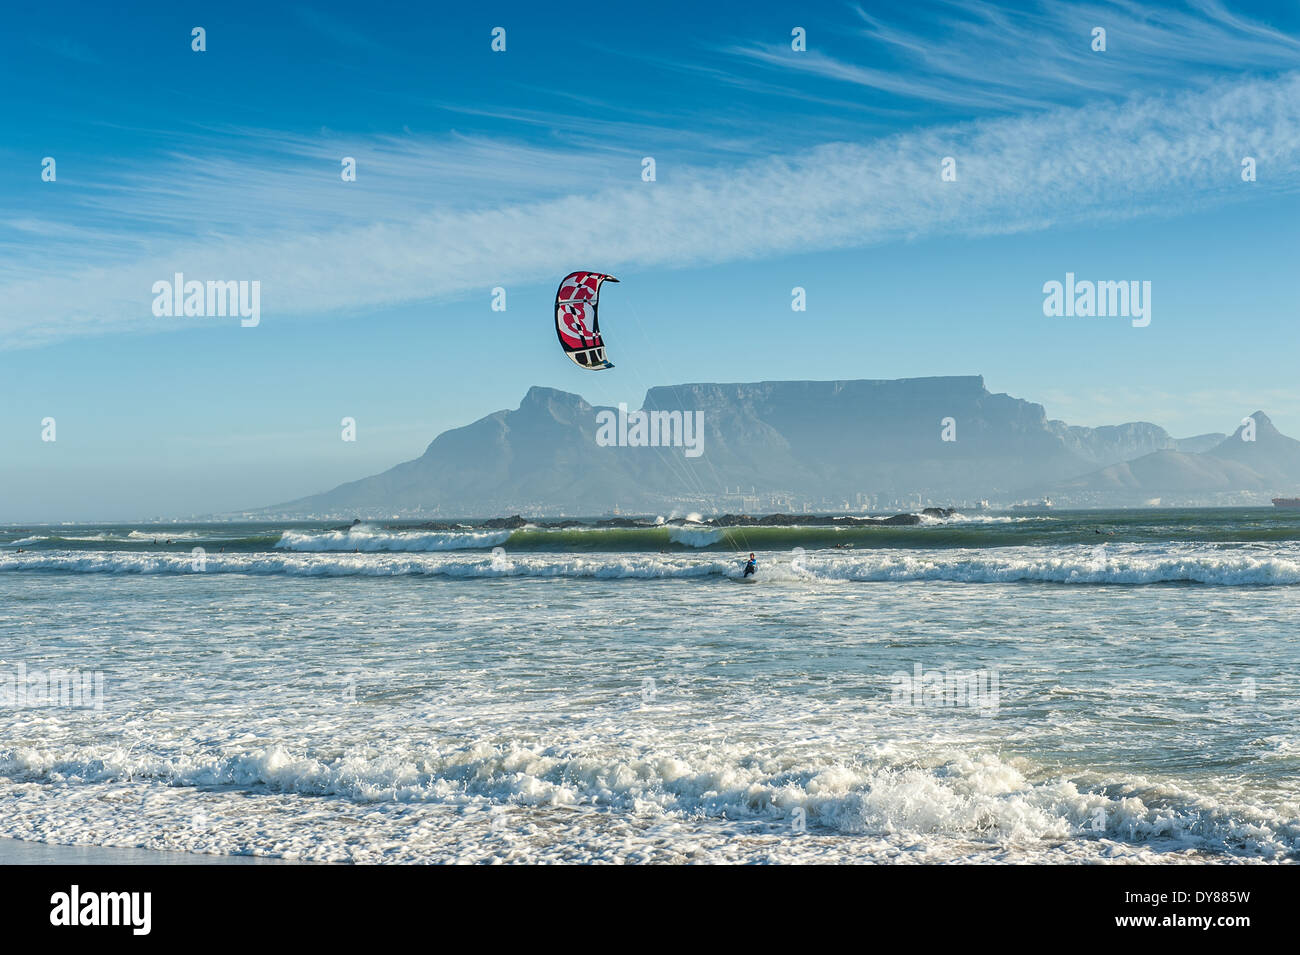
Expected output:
(476, 169)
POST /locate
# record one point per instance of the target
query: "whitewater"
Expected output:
(383, 692)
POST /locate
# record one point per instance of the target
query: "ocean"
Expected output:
(1058, 688)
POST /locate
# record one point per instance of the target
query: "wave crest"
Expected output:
(371, 540)
(1134, 564)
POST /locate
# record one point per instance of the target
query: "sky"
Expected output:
(774, 168)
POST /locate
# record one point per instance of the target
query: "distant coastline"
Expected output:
(863, 447)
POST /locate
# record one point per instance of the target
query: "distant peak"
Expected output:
(539, 395)
(1262, 423)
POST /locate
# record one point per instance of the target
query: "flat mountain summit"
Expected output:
(796, 443)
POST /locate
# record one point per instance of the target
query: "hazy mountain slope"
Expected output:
(806, 440)
(1272, 454)
(1268, 464)
(1198, 443)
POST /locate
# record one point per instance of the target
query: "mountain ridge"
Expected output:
(774, 444)
(1263, 462)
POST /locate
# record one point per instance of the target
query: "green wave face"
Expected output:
(961, 531)
(1079, 527)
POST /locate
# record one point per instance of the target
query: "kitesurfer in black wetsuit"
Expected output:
(751, 567)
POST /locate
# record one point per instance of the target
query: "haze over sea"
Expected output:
(402, 693)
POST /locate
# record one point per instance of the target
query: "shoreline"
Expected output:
(21, 852)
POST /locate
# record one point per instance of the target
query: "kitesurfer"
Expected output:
(751, 567)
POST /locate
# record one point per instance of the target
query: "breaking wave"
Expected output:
(1130, 564)
(974, 796)
(370, 540)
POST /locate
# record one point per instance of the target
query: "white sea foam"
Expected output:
(959, 518)
(959, 798)
(576, 719)
(695, 536)
(372, 540)
(162, 536)
(130, 537)
(1074, 564)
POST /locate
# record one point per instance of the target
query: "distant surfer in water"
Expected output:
(751, 567)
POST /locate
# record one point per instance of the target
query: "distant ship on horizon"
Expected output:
(1286, 502)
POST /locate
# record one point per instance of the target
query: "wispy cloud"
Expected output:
(828, 67)
(988, 56)
(1145, 155)
(231, 183)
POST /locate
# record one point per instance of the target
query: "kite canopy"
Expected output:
(576, 319)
